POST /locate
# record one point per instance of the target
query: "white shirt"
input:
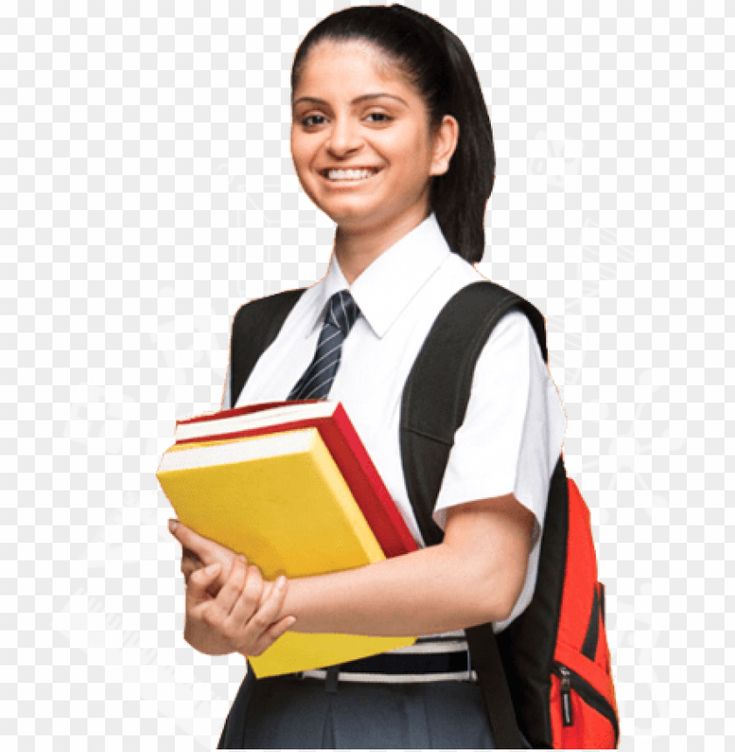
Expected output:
(514, 425)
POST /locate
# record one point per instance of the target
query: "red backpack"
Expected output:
(547, 673)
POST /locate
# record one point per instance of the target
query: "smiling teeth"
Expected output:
(349, 174)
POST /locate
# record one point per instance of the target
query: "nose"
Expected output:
(344, 136)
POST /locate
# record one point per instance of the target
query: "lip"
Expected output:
(350, 167)
(349, 183)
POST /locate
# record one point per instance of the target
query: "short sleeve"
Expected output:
(514, 426)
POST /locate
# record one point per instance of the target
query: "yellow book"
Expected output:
(279, 499)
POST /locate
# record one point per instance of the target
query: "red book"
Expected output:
(340, 437)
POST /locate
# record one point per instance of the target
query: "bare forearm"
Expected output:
(424, 592)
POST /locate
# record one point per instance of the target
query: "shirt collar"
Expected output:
(388, 284)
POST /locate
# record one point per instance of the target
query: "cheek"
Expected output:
(404, 148)
(301, 151)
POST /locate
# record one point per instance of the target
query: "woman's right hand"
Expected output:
(198, 555)
(243, 617)
(198, 552)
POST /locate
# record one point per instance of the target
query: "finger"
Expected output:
(196, 589)
(205, 548)
(273, 633)
(187, 553)
(258, 632)
(233, 587)
(189, 564)
(277, 592)
(270, 609)
(254, 587)
(227, 571)
(249, 600)
(253, 626)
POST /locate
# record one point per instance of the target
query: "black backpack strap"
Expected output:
(255, 326)
(438, 387)
(433, 407)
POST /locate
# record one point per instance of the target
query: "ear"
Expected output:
(446, 137)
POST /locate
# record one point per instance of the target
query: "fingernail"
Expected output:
(280, 582)
(212, 568)
(172, 525)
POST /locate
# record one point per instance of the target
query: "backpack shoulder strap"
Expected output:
(438, 386)
(256, 324)
(433, 407)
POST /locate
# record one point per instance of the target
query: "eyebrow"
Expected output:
(361, 98)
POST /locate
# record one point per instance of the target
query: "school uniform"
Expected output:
(509, 442)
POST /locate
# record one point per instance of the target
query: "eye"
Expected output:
(385, 117)
(305, 121)
(310, 120)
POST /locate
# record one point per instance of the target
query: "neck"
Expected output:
(356, 248)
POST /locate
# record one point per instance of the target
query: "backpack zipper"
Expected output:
(589, 646)
(566, 701)
(570, 680)
(602, 602)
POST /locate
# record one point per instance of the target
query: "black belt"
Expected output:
(450, 665)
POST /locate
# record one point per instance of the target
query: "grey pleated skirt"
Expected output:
(284, 712)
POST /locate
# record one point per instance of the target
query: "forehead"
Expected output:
(344, 68)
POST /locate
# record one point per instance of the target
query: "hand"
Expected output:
(199, 552)
(236, 620)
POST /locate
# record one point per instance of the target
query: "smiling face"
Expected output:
(339, 124)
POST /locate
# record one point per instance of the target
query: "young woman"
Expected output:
(391, 139)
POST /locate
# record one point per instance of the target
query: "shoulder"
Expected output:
(268, 303)
(509, 369)
(514, 328)
(286, 306)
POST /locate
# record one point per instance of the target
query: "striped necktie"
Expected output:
(316, 381)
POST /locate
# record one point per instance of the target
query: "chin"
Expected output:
(347, 212)
(356, 218)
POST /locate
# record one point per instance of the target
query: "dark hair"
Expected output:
(436, 62)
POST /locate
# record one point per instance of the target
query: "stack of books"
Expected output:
(291, 486)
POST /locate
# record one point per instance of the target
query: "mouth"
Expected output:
(353, 176)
